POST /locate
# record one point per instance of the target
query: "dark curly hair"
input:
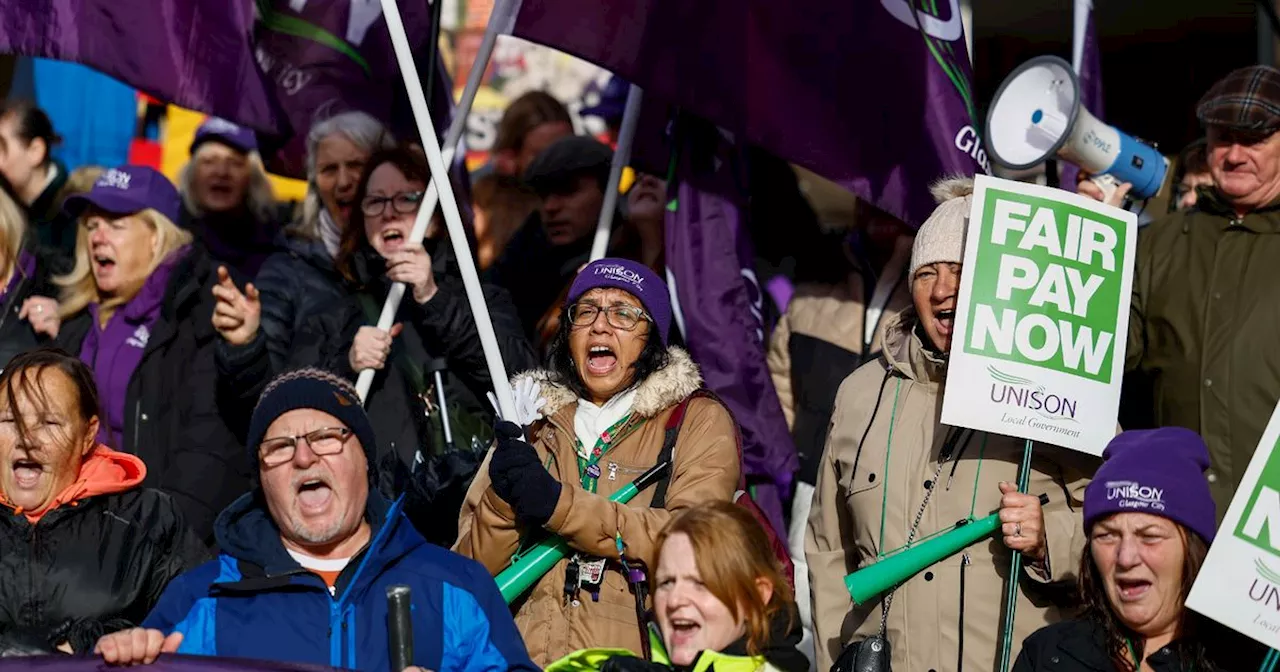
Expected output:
(1097, 608)
(653, 357)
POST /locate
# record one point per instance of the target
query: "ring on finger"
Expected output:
(1017, 529)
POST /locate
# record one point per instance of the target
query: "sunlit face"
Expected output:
(571, 214)
(390, 191)
(19, 160)
(220, 181)
(34, 472)
(1244, 166)
(933, 290)
(339, 163)
(647, 198)
(540, 138)
(1139, 557)
(605, 355)
(316, 500)
(691, 619)
(122, 250)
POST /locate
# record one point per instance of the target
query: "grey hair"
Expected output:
(261, 200)
(363, 131)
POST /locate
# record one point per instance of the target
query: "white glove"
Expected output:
(527, 397)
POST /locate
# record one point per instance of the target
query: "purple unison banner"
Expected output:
(710, 257)
(874, 94)
(194, 53)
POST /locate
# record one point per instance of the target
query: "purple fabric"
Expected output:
(780, 290)
(115, 351)
(195, 53)
(709, 254)
(1090, 80)
(852, 89)
(129, 189)
(629, 276)
(26, 267)
(1155, 471)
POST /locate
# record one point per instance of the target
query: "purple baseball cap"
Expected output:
(129, 189)
(232, 135)
(632, 277)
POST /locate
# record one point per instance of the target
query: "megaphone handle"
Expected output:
(1107, 184)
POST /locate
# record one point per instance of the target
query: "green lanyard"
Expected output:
(884, 497)
(589, 468)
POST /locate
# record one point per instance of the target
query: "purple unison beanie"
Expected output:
(632, 277)
(1156, 471)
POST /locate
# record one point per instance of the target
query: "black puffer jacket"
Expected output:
(175, 418)
(31, 279)
(92, 566)
(294, 284)
(1077, 646)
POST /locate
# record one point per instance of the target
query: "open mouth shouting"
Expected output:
(684, 631)
(314, 494)
(944, 320)
(393, 238)
(27, 472)
(103, 263)
(601, 360)
(1132, 590)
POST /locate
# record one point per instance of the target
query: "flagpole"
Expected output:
(439, 166)
(621, 157)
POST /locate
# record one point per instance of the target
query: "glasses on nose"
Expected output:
(619, 317)
(405, 203)
(325, 441)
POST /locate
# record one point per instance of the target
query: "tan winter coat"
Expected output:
(927, 618)
(706, 467)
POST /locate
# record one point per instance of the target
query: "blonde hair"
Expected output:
(260, 200)
(79, 289)
(13, 230)
(732, 552)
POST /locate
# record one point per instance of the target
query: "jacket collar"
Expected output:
(1262, 220)
(1083, 641)
(905, 351)
(246, 532)
(663, 389)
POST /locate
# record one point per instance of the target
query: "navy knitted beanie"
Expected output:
(317, 389)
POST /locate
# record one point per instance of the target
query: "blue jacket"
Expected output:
(255, 601)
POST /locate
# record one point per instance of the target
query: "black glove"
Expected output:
(520, 479)
(631, 664)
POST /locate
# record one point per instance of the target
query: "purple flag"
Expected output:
(194, 53)
(1087, 62)
(710, 258)
(324, 57)
(870, 93)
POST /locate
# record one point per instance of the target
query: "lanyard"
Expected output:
(589, 468)
(884, 496)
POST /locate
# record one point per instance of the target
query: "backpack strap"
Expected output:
(667, 454)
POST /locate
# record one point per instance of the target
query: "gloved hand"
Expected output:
(528, 399)
(520, 479)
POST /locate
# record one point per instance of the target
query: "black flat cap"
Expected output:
(1248, 99)
(558, 166)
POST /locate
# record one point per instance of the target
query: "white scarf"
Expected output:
(590, 421)
(330, 234)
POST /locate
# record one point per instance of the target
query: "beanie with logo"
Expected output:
(1155, 471)
(632, 277)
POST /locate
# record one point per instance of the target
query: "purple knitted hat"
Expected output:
(632, 277)
(1156, 471)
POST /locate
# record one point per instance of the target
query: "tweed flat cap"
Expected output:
(1248, 99)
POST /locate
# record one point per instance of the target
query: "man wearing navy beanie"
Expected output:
(307, 558)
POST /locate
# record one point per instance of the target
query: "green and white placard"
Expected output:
(1239, 583)
(1037, 350)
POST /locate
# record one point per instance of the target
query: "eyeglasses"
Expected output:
(324, 441)
(619, 317)
(405, 203)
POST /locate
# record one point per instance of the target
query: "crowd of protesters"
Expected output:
(186, 465)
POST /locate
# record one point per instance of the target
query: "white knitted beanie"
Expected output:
(941, 237)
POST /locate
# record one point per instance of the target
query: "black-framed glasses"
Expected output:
(619, 317)
(405, 203)
(324, 441)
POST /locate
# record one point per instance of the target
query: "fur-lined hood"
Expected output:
(663, 389)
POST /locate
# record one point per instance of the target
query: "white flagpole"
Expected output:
(621, 157)
(439, 166)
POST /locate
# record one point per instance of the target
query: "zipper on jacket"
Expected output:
(337, 622)
(964, 562)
